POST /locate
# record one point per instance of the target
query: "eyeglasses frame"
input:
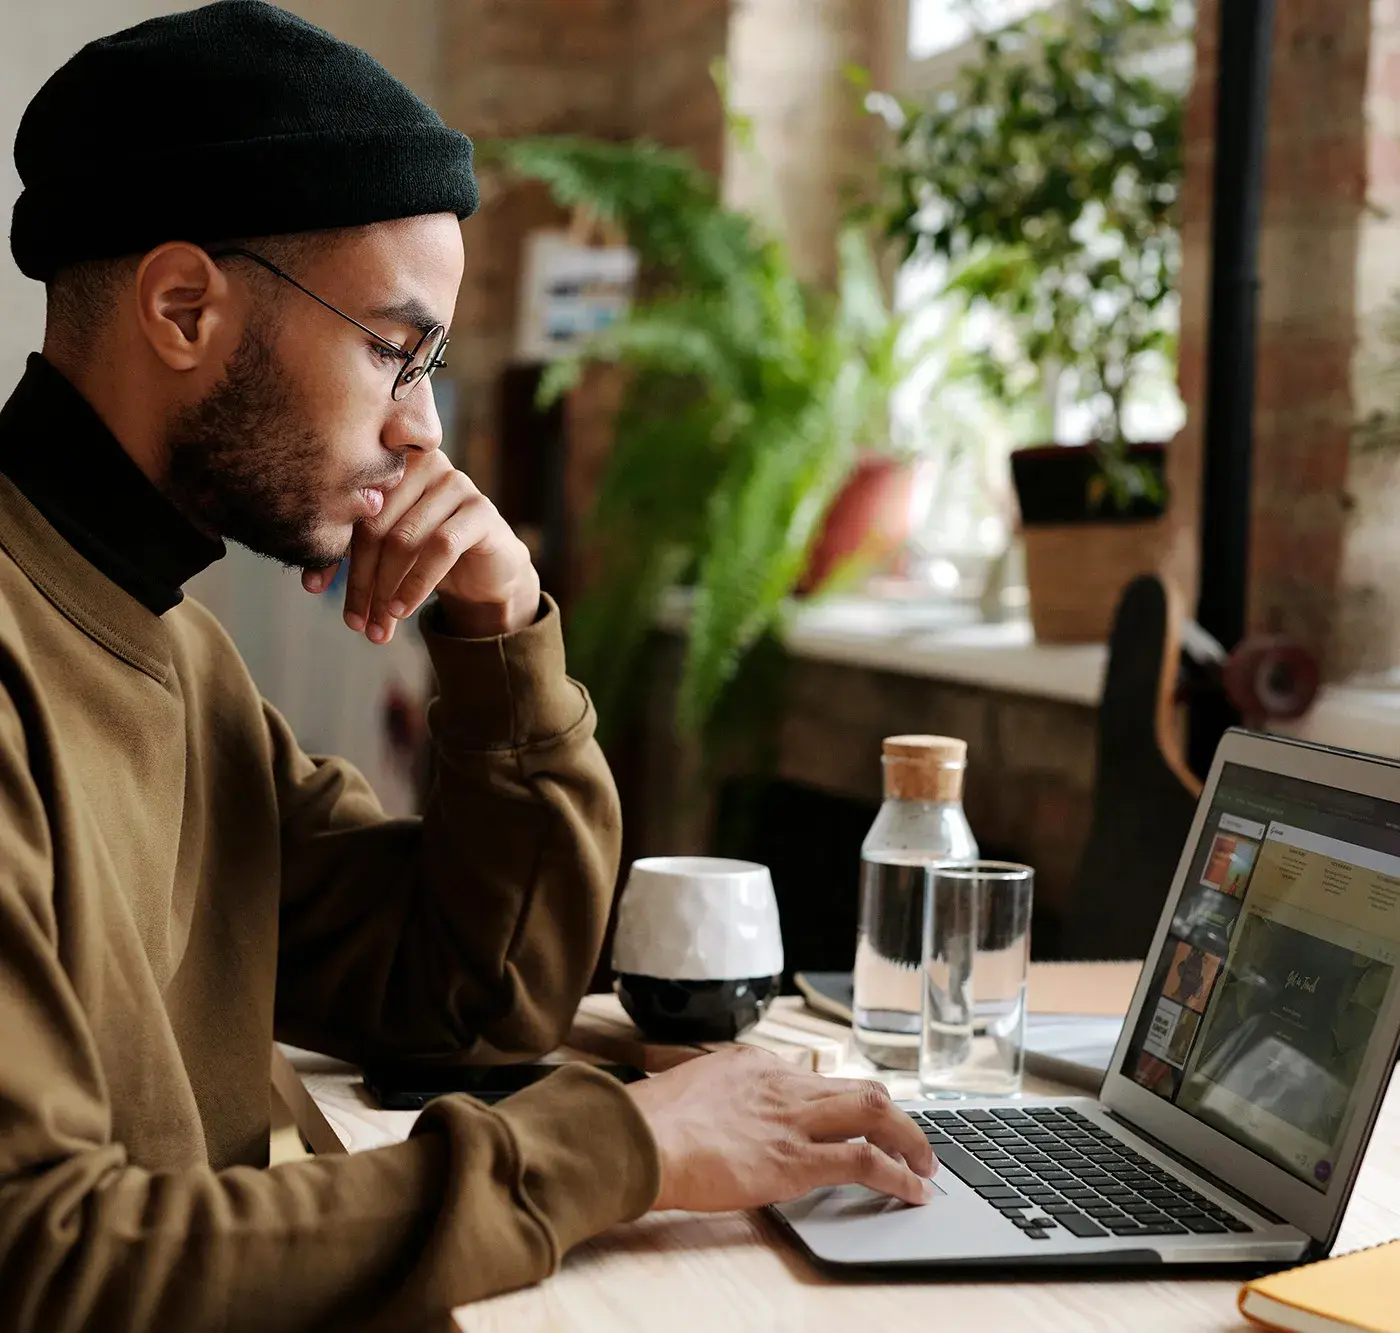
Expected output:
(403, 353)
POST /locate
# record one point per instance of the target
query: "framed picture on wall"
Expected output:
(568, 291)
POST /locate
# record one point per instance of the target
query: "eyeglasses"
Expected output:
(419, 364)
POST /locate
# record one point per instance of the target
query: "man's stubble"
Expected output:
(245, 464)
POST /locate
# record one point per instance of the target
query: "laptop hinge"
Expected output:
(1196, 1169)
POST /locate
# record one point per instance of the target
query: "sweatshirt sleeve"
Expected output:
(473, 933)
(476, 1201)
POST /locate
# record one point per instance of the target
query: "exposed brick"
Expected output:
(1334, 146)
(1321, 176)
(1302, 372)
(674, 22)
(535, 31)
(1320, 32)
(787, 65)
(505, 100)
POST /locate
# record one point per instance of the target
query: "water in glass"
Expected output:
(976, 962)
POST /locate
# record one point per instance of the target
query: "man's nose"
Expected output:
(414, 423)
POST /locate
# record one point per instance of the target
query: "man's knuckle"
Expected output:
(865, 1159)
(772, 1074)
(872, 1096)
(404, 538)
(447, 541)
(792, 1149)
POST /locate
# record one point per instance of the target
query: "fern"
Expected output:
(748, 398)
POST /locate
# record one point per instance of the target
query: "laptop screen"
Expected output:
(1283, 951)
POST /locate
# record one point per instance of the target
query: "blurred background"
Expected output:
(843, 361)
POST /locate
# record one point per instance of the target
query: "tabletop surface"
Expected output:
(738, 1272)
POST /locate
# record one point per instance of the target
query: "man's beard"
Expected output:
(246, 465)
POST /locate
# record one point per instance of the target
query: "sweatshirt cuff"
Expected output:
(586, 1159)
(503, 692)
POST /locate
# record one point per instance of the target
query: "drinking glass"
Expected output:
(976, 958)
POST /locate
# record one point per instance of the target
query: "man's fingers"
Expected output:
(867, 1112)
(415, 536)
(420, 581)
(359, 581)
(829, 1087)
(440, 550)
(367, 545)
(864, 1164)
(318, 580)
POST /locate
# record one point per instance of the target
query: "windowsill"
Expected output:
(941, 641)
(933, 640)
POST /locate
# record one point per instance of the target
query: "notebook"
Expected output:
(1354, 1291)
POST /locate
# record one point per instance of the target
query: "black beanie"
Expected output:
(234, 120)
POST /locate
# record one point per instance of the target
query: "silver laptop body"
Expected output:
(1248, 1076)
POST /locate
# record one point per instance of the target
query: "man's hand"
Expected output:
(739, 1130)
(436, 531)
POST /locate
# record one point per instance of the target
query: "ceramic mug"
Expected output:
(697, 950)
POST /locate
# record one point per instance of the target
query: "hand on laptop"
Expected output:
(738, 1129)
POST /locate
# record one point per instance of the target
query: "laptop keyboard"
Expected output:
(1049, 1170)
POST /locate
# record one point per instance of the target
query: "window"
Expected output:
(966, 434)
(936, 26)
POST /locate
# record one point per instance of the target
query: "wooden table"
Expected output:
(737, 1272)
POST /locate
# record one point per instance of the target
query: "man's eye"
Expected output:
(385, 353)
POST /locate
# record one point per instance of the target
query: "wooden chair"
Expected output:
(1144, 794)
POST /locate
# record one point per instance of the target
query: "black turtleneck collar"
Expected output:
(70, 467)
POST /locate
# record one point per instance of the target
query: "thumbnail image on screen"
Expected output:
(1229, 864)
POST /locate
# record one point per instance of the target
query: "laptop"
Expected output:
(1248, 1075)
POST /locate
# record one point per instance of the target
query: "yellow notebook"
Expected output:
(1353, 1291)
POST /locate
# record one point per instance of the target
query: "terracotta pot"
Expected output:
(871, 517)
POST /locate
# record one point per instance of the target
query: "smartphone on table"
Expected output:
(406, 1085)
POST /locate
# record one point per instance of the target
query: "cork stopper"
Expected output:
(924, 768)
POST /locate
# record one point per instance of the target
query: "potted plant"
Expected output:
(1047, 180)
(749, 400)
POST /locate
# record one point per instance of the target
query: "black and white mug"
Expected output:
(698, 951)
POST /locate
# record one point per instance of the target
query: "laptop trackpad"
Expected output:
(852, 1224)
(855, 1201)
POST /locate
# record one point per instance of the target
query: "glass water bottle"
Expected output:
(920, 823)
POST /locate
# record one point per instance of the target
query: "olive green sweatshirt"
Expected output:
(180, 883)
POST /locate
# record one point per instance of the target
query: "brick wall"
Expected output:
(1323, 560)
(813, 144)
(1366, 626)
(673, 96)
(513, 68)
(1308, 307)
(606, 68)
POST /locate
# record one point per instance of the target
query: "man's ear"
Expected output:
(184, 305)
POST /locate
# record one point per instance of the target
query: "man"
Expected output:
(250, 237)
